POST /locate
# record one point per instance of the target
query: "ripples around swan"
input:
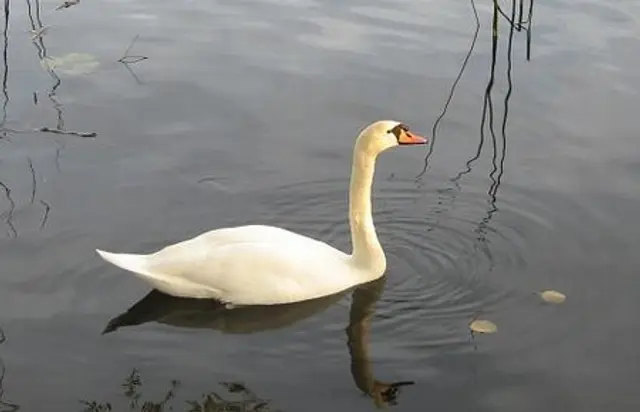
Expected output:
(450, 252)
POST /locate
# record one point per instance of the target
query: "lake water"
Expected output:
(246, 112)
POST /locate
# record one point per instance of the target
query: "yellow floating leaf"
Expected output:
(553, 296)
(483, 326)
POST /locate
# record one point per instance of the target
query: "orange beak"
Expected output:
(408, 138)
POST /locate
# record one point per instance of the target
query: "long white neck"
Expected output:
(367, 252)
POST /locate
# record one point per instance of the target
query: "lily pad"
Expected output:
(483, 326)
(552, 296)
(72, 63)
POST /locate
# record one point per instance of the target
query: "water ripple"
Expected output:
(448, 249)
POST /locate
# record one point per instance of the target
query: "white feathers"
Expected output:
(264, 265)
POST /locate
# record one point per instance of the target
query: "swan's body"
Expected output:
(244, 265)
(264, 265)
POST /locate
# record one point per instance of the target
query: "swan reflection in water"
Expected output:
(209, 314)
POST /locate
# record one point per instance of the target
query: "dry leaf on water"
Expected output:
(483, 326)
(552, 296)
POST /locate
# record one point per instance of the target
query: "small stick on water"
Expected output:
(33, 180)
(45, 214)
(126, 52)
(67, 132)
(67, 4)
(129, 59)
(50, 130)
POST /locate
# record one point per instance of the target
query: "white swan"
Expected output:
(264, 265)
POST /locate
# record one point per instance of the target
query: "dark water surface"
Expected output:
(246, 111)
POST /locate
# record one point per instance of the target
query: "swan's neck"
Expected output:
(367, 252)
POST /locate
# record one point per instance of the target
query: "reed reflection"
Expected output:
(5, 406)
(516, 23)
(5, 67)
(38, 29)
(487, 107)
(6, 215)
(209, 314)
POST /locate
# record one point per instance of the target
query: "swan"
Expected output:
(266, 265)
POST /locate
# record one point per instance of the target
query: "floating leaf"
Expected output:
(553, 296)
(483, 326)
(72, 63)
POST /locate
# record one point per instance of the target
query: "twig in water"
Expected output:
(128, 59)
(85, 135)
(131, 59)
(45, 215)
(133, 74)
(67, 4)
(9, 213)
(4, 405)
(33, 180)
(67, 132)
(37, 33)
(58, 151)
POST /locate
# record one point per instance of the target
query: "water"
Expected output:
(246, 111)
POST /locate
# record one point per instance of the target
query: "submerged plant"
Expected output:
(242, 399)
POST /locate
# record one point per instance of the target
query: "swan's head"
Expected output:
(385, 134)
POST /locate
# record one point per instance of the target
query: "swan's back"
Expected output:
(248, 265)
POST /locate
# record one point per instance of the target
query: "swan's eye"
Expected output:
(397, 130)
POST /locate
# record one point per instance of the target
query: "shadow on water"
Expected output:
(209, 314)
(516, 22)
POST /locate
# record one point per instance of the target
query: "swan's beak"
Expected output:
(409, 138)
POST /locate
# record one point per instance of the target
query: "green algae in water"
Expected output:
(72, 64)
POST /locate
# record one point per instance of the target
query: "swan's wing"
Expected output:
(252, 265)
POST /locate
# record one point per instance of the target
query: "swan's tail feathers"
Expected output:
(132, 263)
